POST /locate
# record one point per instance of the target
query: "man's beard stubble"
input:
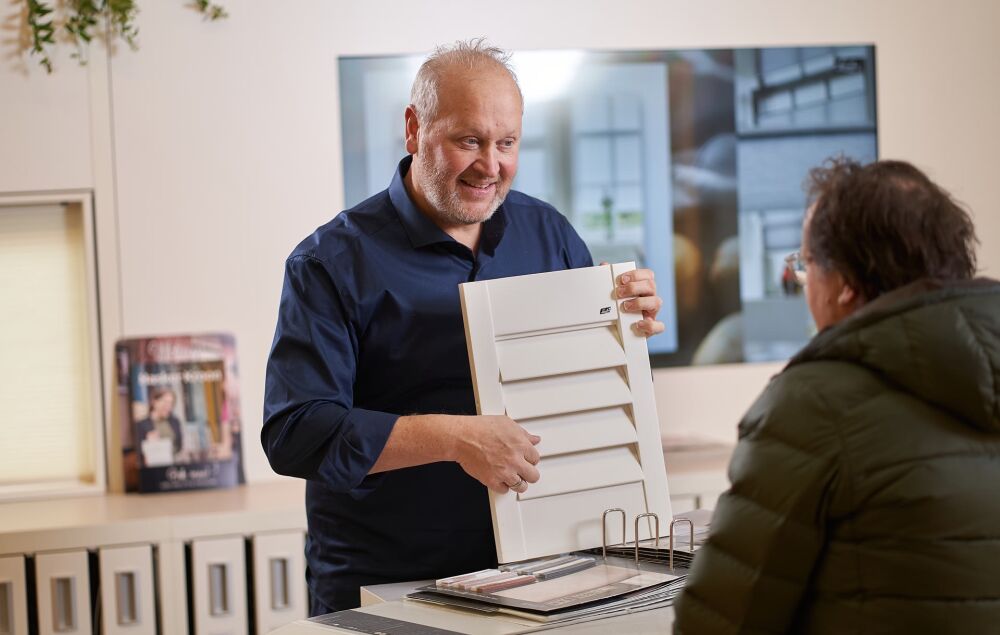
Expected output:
(446, 201)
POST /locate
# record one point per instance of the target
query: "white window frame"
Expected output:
(52, 489)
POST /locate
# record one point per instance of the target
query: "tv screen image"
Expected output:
(689, 162)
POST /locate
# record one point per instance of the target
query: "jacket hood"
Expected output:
(939, 341)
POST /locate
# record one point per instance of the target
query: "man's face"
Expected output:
(828, 296)
(466, 158)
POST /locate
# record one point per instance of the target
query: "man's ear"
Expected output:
(412, 128)
(849, 297)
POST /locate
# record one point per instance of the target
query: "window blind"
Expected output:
(47, 427)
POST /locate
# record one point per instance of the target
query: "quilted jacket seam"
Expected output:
(969, 324)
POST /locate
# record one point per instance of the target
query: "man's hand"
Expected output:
(494, 450)
(640, 283)
(497, 452)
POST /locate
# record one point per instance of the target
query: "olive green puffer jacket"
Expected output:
(865, 490)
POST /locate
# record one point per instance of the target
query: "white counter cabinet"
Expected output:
(135, 556)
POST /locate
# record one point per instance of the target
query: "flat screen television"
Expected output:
(689, 162)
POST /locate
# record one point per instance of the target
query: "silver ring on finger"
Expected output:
(518, 484)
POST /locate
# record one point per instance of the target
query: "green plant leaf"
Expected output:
(80, 18)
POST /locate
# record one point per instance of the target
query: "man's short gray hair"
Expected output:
(469, 55)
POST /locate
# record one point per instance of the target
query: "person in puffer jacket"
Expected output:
(865, 491)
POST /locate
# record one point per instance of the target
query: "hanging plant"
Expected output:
(81, 19)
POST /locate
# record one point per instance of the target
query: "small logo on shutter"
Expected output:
(605, 310)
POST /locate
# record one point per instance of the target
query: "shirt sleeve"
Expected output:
(311, 428)
(768, 530)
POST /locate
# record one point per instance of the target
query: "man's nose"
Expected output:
(489, 161)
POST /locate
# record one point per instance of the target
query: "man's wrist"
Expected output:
(452, 431)
(441, 434)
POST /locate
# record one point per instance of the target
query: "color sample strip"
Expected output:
(537, 565)
(579, 564)
(456, 579)
(516, 581)
(472, 585)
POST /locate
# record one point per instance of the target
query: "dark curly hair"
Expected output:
(885, 224)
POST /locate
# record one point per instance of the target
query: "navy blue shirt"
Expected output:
(370, 328)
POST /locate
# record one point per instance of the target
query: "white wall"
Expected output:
(226, 138)
(44, 125)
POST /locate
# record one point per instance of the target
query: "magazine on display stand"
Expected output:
(178, 412)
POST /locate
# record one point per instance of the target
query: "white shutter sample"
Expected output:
(584, 471)
(553, 301)
(578, 431)
(554, 352)
(544, 396)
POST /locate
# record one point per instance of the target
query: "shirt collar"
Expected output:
(421, 230)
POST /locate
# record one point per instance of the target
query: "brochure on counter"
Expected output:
(540, 591)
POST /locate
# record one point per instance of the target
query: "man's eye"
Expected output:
(471, 141)
(507, 143)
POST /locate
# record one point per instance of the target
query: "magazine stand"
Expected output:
(554, 352)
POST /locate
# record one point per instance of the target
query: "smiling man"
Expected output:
(368, 392)
(465, 155)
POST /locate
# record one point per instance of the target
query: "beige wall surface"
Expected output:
(44, 121)
(227, 135)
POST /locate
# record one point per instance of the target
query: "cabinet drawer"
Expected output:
(218, 586)
(278, 579)
(13, 596)
(127, 603)
(62, 582)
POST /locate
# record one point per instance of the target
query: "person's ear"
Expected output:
(848, 296)
(412, 130)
